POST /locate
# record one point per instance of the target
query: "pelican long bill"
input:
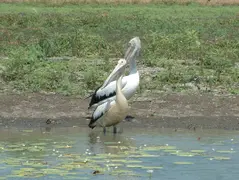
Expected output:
(133, 49)
(114, 74)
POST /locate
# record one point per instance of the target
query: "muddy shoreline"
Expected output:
(174, 110)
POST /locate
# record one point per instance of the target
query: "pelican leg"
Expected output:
(121, 130)
(104, 130)
(114, 129)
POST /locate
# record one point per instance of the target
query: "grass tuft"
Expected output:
(195, 47)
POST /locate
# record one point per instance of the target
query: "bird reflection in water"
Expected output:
(106, 143)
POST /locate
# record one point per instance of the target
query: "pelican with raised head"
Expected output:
(130, 83)
(115, 110)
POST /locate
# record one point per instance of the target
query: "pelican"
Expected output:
(115, 110)
(129, 83)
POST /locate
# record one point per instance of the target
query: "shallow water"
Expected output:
(79, 153)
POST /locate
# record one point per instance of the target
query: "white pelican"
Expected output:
(115, 110)
(129, 83)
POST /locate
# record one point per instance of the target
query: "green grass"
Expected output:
(193, 44)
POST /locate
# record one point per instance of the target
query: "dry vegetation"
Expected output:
(203, 2)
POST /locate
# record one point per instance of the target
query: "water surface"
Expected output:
(79, 153)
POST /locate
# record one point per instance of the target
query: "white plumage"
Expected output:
(113, 111)
(130, 83)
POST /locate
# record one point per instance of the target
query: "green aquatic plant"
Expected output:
(197, 151)
(224, 151)
(220, 158)
(157, 148)
(60, 158)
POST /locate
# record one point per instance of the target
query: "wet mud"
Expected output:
(175, 110)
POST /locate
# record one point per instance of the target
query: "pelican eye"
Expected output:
(121, 61)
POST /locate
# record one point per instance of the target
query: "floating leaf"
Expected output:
(197, 151)
(97, 157)
(12, 161)
(72, 155)
(185, 154)
(226, 151)
(34, 149)
(132, 161)
(171, 150)
(65, 173)
(39, 144)
(27, 169)
(14, 146)
(184, 163)
(143, 155)
(15, 149)
(52, 171)
(114, 165)
(72, 177)
(68, 166)
(132, 174)
(25, 172)
(133, 166)
(156, 148)
(151, 167)
(62, 146)
(220, 158)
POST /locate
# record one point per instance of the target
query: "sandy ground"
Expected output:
(190, 111)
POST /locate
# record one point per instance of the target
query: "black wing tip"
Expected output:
(96, 99)
(92, 122)
(92, 102)
(91, 126)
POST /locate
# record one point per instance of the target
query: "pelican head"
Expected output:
(116, 73)
(133, 49)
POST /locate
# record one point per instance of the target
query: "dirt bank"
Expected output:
(190, 111)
